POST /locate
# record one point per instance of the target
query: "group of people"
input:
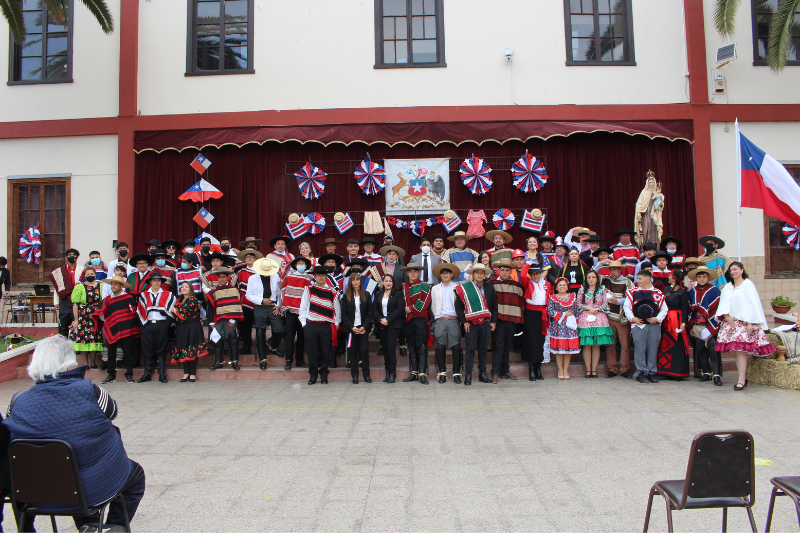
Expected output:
(559, 296)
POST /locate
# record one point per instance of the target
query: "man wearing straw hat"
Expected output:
(247, 256)
(703, 327)
(120, 325)
(446, 329)
(263, 294)
(460, 255)
(476, 307)
(499, 252)
(617, 285)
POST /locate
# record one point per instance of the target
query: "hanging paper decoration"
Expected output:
(200, 164)
(529, 173)
(792, 234)
(30, 245)
(316, 223)
(533, 220)
(342, 222)
(201, 192)
(476, 175)
(311, 181)
(371, 177)
(297, 226)
(416, 226)
(451, 220)
(203, 218)
(503, 219)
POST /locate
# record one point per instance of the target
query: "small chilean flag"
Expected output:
(200, 192)
(203, 218)
(766, 184)
(200, 163)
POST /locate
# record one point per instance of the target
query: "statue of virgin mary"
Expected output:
(649, 207)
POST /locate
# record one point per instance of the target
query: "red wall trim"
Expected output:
(696, 51)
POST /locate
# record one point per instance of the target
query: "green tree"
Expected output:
(782, 27)
(12, 11)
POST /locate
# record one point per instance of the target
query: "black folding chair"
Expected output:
(720, 474)
(44, 472)
(784, 486)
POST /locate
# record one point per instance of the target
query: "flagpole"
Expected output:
(739, 190)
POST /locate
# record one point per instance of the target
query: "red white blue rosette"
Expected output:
(529, 173)
(792, 235)
(30, 245)
(311, 181)
(476, 175)
(370, 176)
(503, 219)
(316, 222)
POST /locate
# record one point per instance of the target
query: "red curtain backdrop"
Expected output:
(594, 181)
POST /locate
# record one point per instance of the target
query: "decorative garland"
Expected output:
(792, 234)
(503, 219)
(476, 175)
(416, 226)
(529, 173)
(30, 245)
(371, 177)
(311, 181)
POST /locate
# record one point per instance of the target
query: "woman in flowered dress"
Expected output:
(86, 299)
(593, 327)
(563, 332)
(190, 343)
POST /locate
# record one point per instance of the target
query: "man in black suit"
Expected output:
(427, 259)
(478, 327)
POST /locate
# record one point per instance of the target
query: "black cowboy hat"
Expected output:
(172, 242)
(338, 258)
(535, 271)
(143, 257)
(155, 275)
(284, 238)
(677, 241)
(359, 261)
(71, 251)
(595, 238)
(547, 236)
(622, 231)
(368, 240)
(602, 249)
(659, 255)
(645, 309)
(153, 242)
(720, 242)
(189, 258)
(160, 251)
(227, 260)
(306, 260)
(319, 269)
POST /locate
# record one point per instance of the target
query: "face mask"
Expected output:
(189, 249)
(161, 262)
(153, 251)
(95, 261)
(671, 251)
(123, 253)
(710, 249)
(72, 258)
(301, 268)
(225, 247)
(91, 278)
(426, 249)
(206, 249)
(391, 262)
(184, 266)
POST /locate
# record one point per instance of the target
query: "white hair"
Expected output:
(52, 355)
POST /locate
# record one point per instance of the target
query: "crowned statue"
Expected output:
(649, 209)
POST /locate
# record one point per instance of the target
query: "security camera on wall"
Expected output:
(509, 55)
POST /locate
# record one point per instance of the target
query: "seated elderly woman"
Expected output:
(63, 405)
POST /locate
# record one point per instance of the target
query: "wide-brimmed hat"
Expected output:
(320, 269)
(720, 242)
(359, 261)
(227, 260)
(284, 238)
(595, 238)
(490, 235)
(368, 240)
(615, 264)
(606, 249)
(645, 309)
(266, 267)
(245, 252)
(399, 251)
(411, 266)
(504, 263)
(71, 250)
(155, 275)
(437, 270)
(712, 275)
(458, 234)
(152, 242)
(143, 257)
(693, 260)
(622, 231)
(486, 270)
(160, 251)
(330, 240)
(537, 270)
(327, 257)
(677, 241)
(584, 231)
(659, 255)
(222, 270)
(547, 236)
(119, 280)
(559, 242)
(172, 242)
(250, 240)
(299, 258)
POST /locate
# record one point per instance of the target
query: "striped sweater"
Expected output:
(510, 300)
(226, 302)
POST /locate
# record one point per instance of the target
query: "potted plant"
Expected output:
(781, 305)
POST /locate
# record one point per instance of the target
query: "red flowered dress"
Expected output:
(563, 339)
(476, 220)
(190, 343)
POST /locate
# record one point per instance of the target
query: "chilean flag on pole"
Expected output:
(766, 184)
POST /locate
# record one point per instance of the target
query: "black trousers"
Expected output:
(503, 334)
(318, 345)
(126, 345)
(65, 317)
(389, 338)
(246, 328)
(292, 348)
(477, 339)
(154, 336)
(532, 336)
(132, 491)
(358, 354)
(708, 357)
(417, 330)
(190, 367)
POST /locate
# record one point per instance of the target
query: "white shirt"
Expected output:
(430, 268)
(155, 315)
(448, 309)
(305, 304)
(539, 292)
(385, 304)
(357, 321)
(628, 309)
(255, 289)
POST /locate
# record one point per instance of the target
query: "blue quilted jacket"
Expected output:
(66, 409)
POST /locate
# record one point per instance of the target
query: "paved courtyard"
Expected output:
(577, 455)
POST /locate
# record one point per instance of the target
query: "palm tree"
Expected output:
(781, 28)
(12, 11)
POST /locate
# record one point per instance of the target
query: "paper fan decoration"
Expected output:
(371, 177)
(317, 223)
(503, 219)
(529, 173)
(476, 175)
(30, 245)
(792, 234)
(311, 181)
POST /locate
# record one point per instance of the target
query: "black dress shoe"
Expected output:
(495, 379)
(641, 378)
(706, 377)
(611, 374)
(468, 378)
(144, 378)
(626, 375)
(355, 380)
(216, 366)
(287, 367)
(443, 379)
(312, 380)
(403, 351)
(537, 369)
(162, 378)
(235, 365)
(184, 380)
(368, 379)
(386, 379)
(737, 387)
(412, 377)
(718, 381)
(263, 365)
(301, 365)
(392, 377)
(652, 378)
(483, 378)
(277, 352)
(324, 380)
(531, 375)
(423, 380)
(109, 379)
(129, 379)
(457, 379)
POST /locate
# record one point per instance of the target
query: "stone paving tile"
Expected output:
(550, 456)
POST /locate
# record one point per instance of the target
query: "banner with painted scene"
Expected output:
(417, 185)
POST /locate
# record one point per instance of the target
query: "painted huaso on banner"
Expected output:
(419, 185)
